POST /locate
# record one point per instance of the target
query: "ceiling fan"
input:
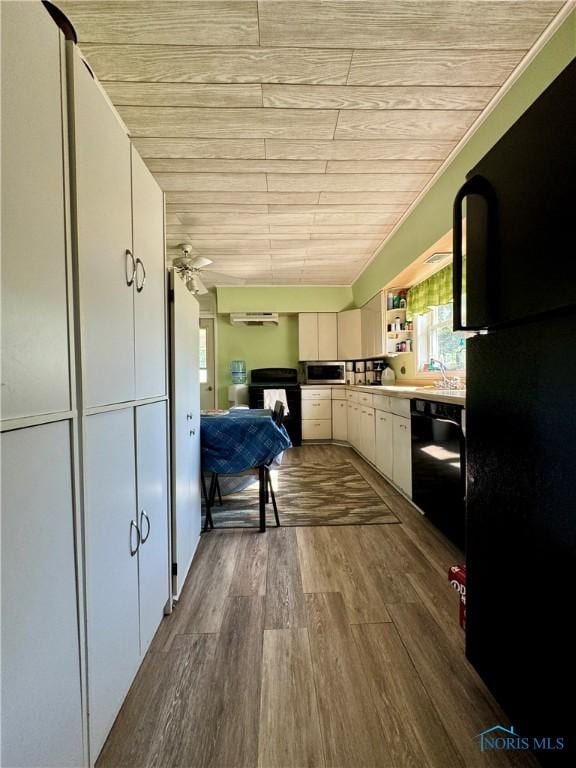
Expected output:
(190, 266)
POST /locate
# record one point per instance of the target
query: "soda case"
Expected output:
(457, 578)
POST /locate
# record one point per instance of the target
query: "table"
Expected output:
(241, 440)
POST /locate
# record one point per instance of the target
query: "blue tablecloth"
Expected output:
(240, 440)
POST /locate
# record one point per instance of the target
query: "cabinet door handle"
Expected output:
(130, 273)
(144, 516)
(134, 527)
(192, 432)
(139, 263)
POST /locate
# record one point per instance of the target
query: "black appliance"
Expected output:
(521, 422)
(279, 378)
(438, 465)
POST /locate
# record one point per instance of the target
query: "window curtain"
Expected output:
(432, 292)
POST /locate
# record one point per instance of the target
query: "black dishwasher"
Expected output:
(438, 473)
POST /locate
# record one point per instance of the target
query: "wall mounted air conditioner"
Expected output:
(254, 318)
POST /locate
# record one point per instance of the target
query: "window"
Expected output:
(203, 356)
(436, 339)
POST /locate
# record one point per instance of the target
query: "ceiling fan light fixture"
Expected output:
(196, 286)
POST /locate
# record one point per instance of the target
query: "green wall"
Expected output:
(432, 217)
(297, 298)
(260, 347)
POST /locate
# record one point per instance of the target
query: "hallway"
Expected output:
(322, 646)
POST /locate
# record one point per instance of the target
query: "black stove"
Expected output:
(279, 378)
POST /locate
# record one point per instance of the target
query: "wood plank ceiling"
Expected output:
(290, 136)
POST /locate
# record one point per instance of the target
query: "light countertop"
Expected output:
(455, 396)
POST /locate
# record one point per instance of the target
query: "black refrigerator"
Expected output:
(520, 294)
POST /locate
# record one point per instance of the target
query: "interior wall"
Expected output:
(261, 347)
(284, 298)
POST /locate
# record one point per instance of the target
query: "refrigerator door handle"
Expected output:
(477, 185)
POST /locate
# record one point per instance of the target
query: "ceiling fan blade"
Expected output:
(198, 262)
(220, 278)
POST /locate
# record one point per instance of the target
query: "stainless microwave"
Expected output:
(325, 373)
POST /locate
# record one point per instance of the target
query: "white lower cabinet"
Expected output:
(402, 449)
(152, 485)
(41, 703)
(316, 409)
(317, 429)
(384, 446)
(381, 434)
(126, 523)
(339, 420)
(113, 636)
(366, 438)
(316, 413)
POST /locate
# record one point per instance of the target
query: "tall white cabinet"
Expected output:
(185, 396)
(43, 692)
(121, 320)
(85, 434)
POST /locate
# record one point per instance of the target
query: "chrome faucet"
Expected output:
(445, 381)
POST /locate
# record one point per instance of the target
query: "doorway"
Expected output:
(207, 364)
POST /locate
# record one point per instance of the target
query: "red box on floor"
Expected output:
(457, 578)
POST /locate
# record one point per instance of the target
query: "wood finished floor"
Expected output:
(330, 647)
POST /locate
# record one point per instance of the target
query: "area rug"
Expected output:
(307, 495)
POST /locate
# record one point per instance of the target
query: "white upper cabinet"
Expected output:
(41, 706)
(327, 336)
(149, 281)
(317, 336)
(35, 364)
(106, 264)
(349, 334)
(372, 328)
(308, 336)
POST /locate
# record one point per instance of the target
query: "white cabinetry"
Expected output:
(308, 336)
(384, 446)
(367, 441)
(316, 414)
(104, 245)
(152, 488)
(35, 361)
(372, 326)
(327, 336)
(149, 282)
(354, 424)
(120, 256)
(317, 336)
(41, 706)
(402, 448)
(350, 334)
(339, 419)
(316, 409)
(126, 520)
(111, 566)
(185, 416)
